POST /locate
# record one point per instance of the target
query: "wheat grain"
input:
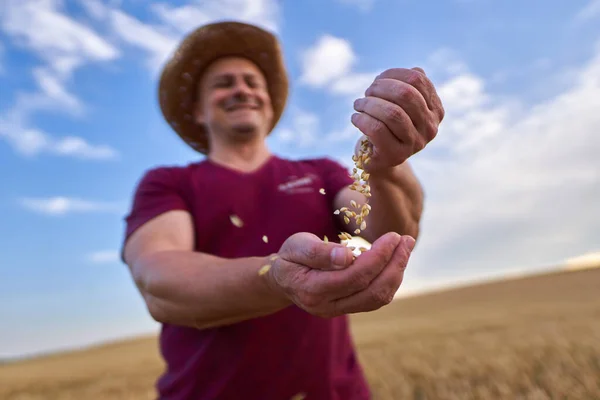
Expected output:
(235, 220)
(264, 269)
(322, 191)
(265, 239)
(361, 185)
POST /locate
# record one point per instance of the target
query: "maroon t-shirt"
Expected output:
(272, 357)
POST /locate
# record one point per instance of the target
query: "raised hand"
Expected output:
(400, 114)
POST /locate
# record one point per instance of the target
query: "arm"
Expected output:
(396, 201)
(188, 288)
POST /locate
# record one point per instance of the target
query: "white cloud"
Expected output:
(95, 8)
(510, 185)
(31, 142)
(589, 12)
(160, 40)
(302, 131)
(329, 64)
(55, 92)
(151, 39)
(60, 205)
(58, 39)
(330, 58)
(264, 13)
(63, 45)
(352, 84)
(104, 257)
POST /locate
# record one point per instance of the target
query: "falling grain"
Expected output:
(235, 220)
(361, 185)
(265, 239)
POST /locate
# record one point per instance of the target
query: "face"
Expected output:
(233, 101)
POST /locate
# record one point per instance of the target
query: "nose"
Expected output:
(242, 89)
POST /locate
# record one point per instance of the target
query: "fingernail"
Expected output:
(410, 242)
(339, 258)
(354, 117)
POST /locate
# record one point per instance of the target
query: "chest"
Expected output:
(253, 216)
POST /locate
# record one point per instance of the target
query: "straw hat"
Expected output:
(178, 82)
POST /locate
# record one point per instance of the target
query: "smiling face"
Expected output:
(233, 101)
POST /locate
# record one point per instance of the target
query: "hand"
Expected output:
(400, 114)
(323, 279)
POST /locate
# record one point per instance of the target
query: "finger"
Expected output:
(421, 82)
(419, 70)
(310, 251)
(358, 277)
(399, 123)
(383, 288)
(403, 95)
(385, 143)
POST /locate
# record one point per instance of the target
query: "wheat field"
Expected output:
(531, 338)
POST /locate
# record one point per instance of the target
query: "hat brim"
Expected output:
(197, 51)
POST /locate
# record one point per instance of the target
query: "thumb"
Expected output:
(310, 251)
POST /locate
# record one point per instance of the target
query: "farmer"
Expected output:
(198, 236)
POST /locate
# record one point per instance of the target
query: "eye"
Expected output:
(253, 82)
(222, 82)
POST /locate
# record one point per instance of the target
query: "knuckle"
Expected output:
(419, 143)
(416, 78)
(377, 126)
(372, 88)
(441, 112)
(310, 300)
(395, 114)
(382, 296)
(430, 130)
(381, 257)
(310, 251)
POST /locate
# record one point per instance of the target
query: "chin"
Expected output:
(244, 132)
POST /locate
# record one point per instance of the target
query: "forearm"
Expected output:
(396, 203)
(200, 290)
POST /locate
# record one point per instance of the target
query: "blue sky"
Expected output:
(512, 180)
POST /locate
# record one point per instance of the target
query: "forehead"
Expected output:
(232, 66)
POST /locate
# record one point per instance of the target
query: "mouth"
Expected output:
(238, 107)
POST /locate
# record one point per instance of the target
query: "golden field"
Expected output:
(530, 338)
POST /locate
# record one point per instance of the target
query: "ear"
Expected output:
(198, 114)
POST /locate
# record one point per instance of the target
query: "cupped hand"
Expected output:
(324, 280)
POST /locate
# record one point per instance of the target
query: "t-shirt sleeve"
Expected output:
(158, 191)
(335, 176)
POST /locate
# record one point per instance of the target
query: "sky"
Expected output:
(512, 181)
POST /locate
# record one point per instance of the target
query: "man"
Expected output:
(199, 236)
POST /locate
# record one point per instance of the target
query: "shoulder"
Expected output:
(169, 175)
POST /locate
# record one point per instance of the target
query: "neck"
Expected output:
(245, 157)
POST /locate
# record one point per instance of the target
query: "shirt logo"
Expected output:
(298, 185)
